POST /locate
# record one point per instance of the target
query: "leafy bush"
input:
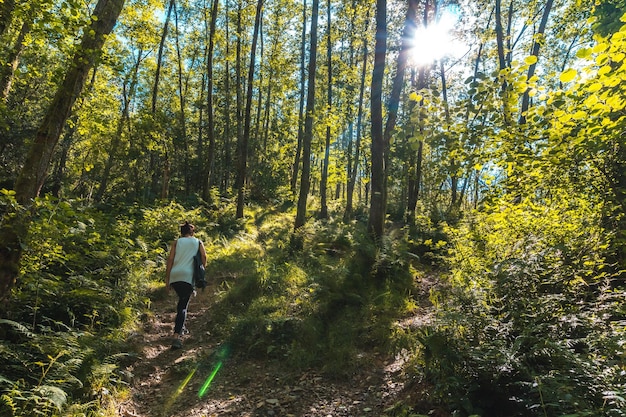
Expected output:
(528, 323)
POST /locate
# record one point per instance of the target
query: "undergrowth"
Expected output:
(89, 274)
(531, 320)
(529, 314)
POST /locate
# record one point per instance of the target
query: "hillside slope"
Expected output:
(170, 382)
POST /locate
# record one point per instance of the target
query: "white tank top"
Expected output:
(182, 269)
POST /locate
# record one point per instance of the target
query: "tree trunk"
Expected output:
(182, 131)
(6, 14)
(239, 94)
(209, 100)
(154, 158)
(31, 178)
(538, 38)
(451, 143)
(305, 180)
(124, 117)
(242, 152)
(502, 61)
(376, 219)
(415, 162)
(353, 170)
(398, 83)
(259, 103)
(329, 106)
(8, 70)
(157, 75)
(296, 162)
(225, 183)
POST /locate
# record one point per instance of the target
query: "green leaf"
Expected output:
(530, 60)
(568, 75)
(55, 395)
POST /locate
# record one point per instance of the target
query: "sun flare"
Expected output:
(435, 41)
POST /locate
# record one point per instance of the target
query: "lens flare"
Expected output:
(205, 387)
(181, 388)
(221, 355)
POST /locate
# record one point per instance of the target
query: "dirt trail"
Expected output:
(169, 383)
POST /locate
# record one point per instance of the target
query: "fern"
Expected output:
(18, 327)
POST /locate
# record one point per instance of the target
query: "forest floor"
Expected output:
(169, 382)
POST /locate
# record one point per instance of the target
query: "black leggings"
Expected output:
(184, 291)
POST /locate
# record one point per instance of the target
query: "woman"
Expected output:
(179, 275)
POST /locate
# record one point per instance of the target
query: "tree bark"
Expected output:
(225, 183)
(329, 106)
(296, 162)
(182, 129)
(6, 14)
(353, 169)
(238, 93)
(127, 97)
(376, 219)
(502, 61)
(242, 152)
(305, 180)
(8, 70)
(209, 99)
(535, 52)
(33, 174)
(155, 91)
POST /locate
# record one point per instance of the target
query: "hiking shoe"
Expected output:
(177, 344)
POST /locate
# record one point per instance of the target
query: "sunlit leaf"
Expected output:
(530, 60)
(568, 75)
(601, 47)
(415, 97)
(594, 87)
(618, 57)
(591, 101)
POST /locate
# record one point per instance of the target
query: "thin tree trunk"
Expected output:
(329, 106)
(117, 139)
(227, 113)
(398, 81)
(376, 219)
(6, 14)
(243, 147)
(30, 180)
(13, 60)
(259, 102)
(296, 163)
(454, 168)
(239, 94)
(183, 117)
(415, 163)
(353, 170)
(502, 60)
(305, 180)
(209, 100)
(266, 116)
(535, 52)
(157, 77)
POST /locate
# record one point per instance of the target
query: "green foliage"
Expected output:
(319, 306)
(529, 323)
(86, 274)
